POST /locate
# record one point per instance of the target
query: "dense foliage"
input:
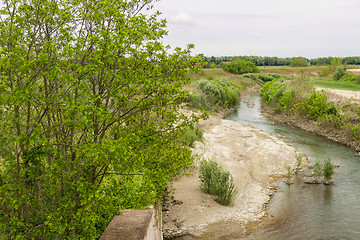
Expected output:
(356, 131)
(291, 99)
(240, 67)
(316, 106)
(299, 62)
(277, 93)
(216, 181)
(342, 75)
(355, 60)
(214, 94)
(214, 62)
(89, 120)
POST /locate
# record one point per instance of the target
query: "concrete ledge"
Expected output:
(134, 225)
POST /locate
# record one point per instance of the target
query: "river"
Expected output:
(306, 211)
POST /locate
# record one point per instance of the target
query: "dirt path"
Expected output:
(354, 71)
(253, 157)
(342, 95)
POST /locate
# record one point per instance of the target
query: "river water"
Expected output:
(308, 211)
(303, 211)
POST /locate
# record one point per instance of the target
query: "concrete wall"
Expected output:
(134, 225)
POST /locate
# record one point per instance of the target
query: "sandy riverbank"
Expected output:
(254, 158)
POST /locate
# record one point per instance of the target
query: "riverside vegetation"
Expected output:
(290, 91)
(215, 94)
(296, 96)
(89, 115)
(216, 181)
(318, 169)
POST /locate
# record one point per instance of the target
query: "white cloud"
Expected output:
(183, 17)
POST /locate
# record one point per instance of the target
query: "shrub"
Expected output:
(326, 71)
(286, 99)
(289, 174)
(317, 105)
(241, 67)
(278, 93)
(213, 65)
(262, 77)
(350, 78)
(192, 133)
(328, 169)
(317, 169)
(208, 170)
(214, 93)
(340, 72)
(203, 101)
(299, 62)
(331, 120)
(299, 160)
(269, 90)
(225, 189)
(356, 131)
(216, 181)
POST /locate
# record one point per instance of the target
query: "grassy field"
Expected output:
(286, 70)
(213, 73)
(311, 72)
(337, 85)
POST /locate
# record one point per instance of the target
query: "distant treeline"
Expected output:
(276, 61)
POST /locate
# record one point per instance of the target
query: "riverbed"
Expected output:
(302, 211)
(254, 158)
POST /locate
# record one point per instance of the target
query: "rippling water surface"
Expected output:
(303, 211)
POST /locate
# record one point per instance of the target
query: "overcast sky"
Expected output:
(283, 28)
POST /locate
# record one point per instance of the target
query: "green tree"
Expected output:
(240, 67)
(299, 62)
(89, 120)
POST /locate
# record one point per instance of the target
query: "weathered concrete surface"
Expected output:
(133, 225)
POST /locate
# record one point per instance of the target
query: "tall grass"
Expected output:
(192, 134)
(302, 85)
(286, 70)
(337, 85)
